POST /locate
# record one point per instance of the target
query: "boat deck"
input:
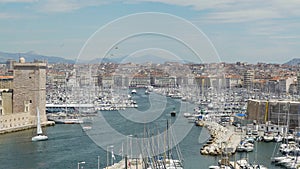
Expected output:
(234, 165)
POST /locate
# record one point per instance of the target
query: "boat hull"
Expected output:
(173, 113)
(39, 138)
(67, 121)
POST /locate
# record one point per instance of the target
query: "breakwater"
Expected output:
(222, 140)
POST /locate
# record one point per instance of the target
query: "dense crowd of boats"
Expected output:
(220, 107)
(287, 153)
(286, 139)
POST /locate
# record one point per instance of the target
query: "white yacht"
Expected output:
(133, 91)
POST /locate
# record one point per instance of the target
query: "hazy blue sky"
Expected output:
(248, 30)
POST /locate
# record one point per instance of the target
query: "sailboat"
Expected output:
(40, 136)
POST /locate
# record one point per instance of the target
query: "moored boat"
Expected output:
(268, 138)
(133, 91)
(68, 121)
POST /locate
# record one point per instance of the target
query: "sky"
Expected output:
(230, 30)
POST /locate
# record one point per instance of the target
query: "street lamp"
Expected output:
(78, 164)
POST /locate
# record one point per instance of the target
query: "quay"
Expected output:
(59, 107)
(222, 139)
(27, 127)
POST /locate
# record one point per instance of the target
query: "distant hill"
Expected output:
(105, 60)
(31, 56)
(293, 62)
(141, 59)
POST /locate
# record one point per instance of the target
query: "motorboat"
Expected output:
(268, 138)
(85, 128)
(187, 115)
(133, 91)
(147, 92)
(245, 147)
(173, 113)
(191, 119)
(278, 138)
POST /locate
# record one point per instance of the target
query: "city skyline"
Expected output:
(250, 31)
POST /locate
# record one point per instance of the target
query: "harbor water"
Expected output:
(68, 144)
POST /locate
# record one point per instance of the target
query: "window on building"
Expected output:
(26, 108)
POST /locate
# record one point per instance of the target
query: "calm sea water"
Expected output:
(68, 145)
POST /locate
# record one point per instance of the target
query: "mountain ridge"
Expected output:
(293, 62)
(31, 56)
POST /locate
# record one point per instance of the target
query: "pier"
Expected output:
(222, 138)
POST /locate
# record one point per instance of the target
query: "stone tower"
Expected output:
(29, 88)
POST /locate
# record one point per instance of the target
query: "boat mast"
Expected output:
(168, 149)
(66, 88)
(39, 130)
